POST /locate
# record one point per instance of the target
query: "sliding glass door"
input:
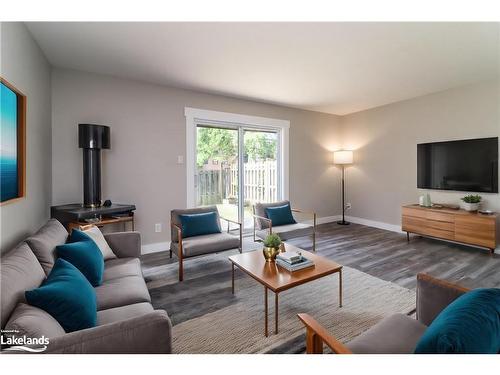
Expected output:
(217, 169)
(222, 152)
(260, 170)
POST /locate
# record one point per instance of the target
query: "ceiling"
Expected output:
(336, 68)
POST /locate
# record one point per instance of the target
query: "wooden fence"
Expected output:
(260, 183)
(213, 186)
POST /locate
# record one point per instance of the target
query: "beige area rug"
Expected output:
(239, 328)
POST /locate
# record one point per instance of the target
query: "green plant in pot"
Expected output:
(471, 202)
(272, 245)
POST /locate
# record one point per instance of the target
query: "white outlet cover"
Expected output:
(158, 228)
(180, 159)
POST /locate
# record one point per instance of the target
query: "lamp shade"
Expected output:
(93, 136)
(343, 157)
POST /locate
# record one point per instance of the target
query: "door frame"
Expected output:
(226, 119)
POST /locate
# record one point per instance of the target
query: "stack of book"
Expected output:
(293, 261)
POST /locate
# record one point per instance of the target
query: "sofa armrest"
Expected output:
(125, 244)
(433, 295)
(146, 334)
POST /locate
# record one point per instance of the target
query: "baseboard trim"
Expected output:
(375, 224)
(358, 220)
(323, 220)
(155, 247)
(327, 219)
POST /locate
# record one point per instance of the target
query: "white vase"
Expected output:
(470, 206)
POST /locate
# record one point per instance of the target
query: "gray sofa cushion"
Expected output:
(260, 210)
(148, 334)
(174, 217)
(124, 244)
(396, 334)
(123, 313)
(288, 231)
(33, 322)
(116, 268)
(44, 243)
(19, 271)
(206, 244)
(122, 291)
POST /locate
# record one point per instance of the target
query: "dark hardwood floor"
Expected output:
(383, 254)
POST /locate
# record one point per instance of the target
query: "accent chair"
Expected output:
(264, 226)
(396, 334)
(191, 246)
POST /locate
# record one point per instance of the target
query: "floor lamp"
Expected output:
(343, 158)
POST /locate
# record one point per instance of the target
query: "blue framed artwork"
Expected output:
(12, 142)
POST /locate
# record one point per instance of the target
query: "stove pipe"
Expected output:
(92, 138)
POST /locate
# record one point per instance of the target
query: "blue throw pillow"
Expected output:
(66, 295)
(199, 224)
(84, 255)
(470, 324)
(280, 215)
(78, 235)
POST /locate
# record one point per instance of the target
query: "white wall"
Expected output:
(24, 66)
(384, 175)
(148, 133)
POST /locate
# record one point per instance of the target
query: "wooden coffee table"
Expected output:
(278, 279)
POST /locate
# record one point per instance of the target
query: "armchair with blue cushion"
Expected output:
(449, 319)
(277, 218)
(197, 231)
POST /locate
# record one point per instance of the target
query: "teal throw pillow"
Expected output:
(199, 224)
(66, 295)
(280, 215)
(84, 255)
(470, 324)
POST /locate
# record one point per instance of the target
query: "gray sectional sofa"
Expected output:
(126, 320)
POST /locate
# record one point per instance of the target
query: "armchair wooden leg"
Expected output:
(170, 253)
(314, 344)
(181, 270)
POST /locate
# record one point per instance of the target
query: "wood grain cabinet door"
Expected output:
(414, 224)
(475, 230)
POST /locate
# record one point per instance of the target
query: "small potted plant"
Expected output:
(272, 245)
(471, 202)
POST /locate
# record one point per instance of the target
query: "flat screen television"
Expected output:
(467, 165)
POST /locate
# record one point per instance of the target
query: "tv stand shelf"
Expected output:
(461, 226)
